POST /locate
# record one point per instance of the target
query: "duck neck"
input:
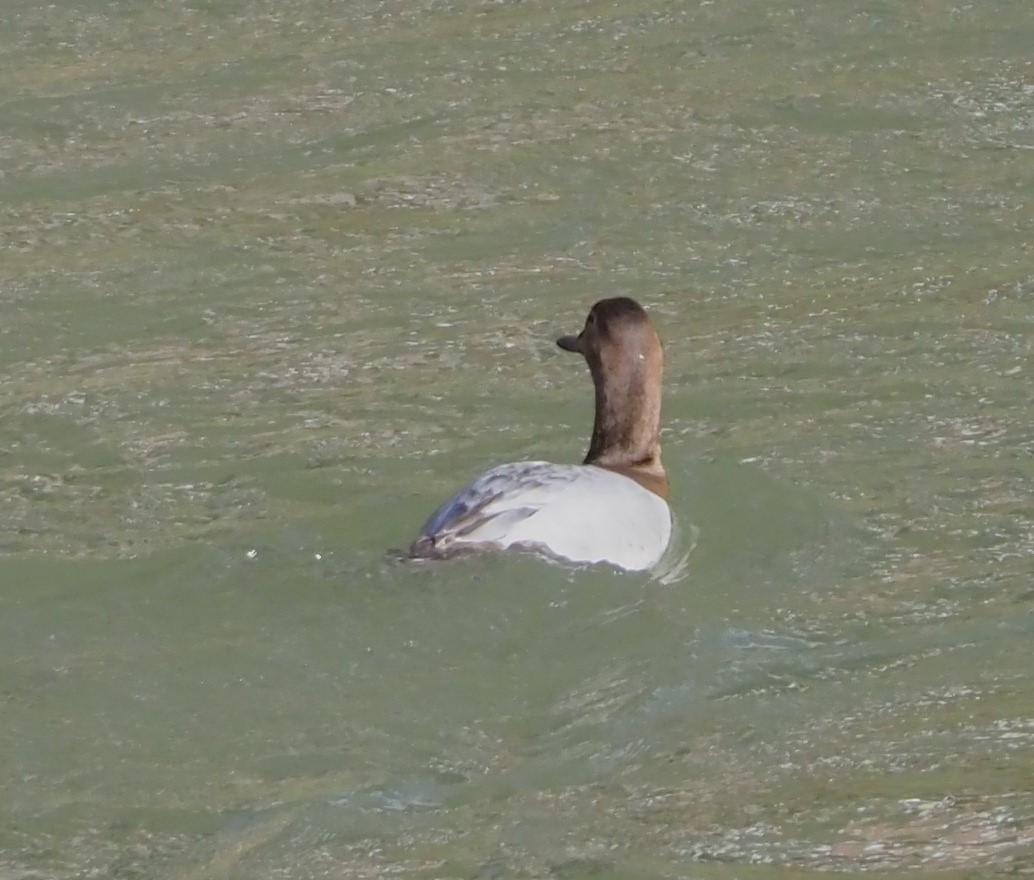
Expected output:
(625, 432)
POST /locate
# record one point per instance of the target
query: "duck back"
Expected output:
(580, 513)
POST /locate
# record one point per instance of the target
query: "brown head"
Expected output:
(626, 362)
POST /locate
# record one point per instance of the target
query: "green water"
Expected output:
(276, 277)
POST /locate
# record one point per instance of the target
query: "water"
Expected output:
(277, 277)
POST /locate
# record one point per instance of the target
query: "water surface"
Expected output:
(278, 276)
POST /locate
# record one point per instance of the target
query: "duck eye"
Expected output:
(591, 319)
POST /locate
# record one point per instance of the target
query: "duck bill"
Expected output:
(571, 343)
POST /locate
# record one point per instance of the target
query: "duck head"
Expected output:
(626, 361)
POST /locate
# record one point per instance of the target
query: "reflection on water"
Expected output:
(278, 277)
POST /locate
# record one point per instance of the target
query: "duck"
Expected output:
(610, 509)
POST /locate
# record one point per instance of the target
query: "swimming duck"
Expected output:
(612, 508)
